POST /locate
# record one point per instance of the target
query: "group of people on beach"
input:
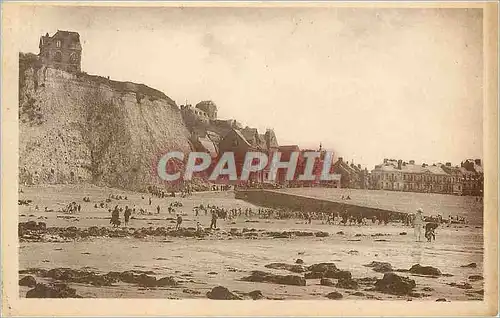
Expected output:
(115, 215)
(423, 225)
(419, 223)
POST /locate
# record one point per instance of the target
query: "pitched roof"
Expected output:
(209, 146)
(74, 38)
(411, 168)
(270, 139)
(239, 134)
(288, 148)
(213, 136)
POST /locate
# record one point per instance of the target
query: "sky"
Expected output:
(366, 83)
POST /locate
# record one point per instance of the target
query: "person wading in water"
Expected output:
(418, 224)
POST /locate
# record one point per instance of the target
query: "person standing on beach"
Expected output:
(213, 224)
(179, 222)
(418, 223)
(115, 217)
(127, 215)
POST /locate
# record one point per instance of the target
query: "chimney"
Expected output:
(412, 162)
(448, 164)
(400, 162)
(478, 162)
(385, 160)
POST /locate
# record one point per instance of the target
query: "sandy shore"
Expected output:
(199, 264)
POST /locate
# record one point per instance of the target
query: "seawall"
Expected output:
(277, 199)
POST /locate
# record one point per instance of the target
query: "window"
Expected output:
(73, 57)
(58, 56)
(58, 43)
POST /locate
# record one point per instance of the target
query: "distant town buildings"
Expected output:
(216, 136)
(398, 175)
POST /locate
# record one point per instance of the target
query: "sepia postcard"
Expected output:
(295, 158)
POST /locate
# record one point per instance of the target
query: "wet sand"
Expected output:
(220, 259)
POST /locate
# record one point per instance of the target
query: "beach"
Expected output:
(228, 255)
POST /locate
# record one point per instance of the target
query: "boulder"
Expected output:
(480, 292)
(29, 281)
(334, 295)
(288, 267)
(166, 281)
(64, 274)
(326, 282)
(127, 277)
(35, 271)
(441, 299)
(470, 265)
(146, 280)
(93, 231)
(314, 275)
(425, 270)
(222, 293)
(52, 291)
(256, 294)
(322, 267)
(381, 267)
(476, 277)
(347, 284)
(191, 291)
(30, 225)
(327, 270)
(299, 261)
(99, 280)
(322, 234)
(461, 286)
(339, 274)
(367, 280)
(263, 277)
(394, 284)
(302, 233)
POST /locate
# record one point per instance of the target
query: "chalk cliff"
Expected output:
(76, 128)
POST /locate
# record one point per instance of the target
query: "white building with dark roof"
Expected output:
(396, 175)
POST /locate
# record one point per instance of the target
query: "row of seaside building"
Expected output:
(215, 136)
(398, 175)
